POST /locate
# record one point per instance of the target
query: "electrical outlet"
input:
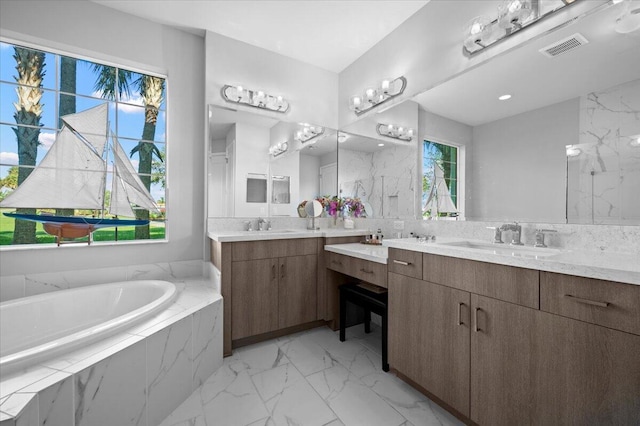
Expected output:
(398, 225)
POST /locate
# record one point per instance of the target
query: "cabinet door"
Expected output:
(254, 297)
(429, 337)
(532, 367)
(297, 291)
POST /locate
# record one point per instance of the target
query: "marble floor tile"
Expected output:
(308, 378)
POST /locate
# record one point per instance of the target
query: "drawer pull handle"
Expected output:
(587, 301)
(476, 328)
(273, 271)
(365, 271)
(401, 262)
(460, 305)
(283, 272)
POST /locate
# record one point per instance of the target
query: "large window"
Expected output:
(37, 90)
(439, 180)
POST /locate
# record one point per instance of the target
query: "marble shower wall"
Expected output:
(604, 178)
(386, 179)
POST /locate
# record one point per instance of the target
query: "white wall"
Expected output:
(311, 91)
(518, 166)
(251, 157)
(309, 177)
(96, 32)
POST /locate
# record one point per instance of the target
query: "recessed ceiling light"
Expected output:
(504, 97)
(380, 144)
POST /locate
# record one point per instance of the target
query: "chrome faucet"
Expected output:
(516, 232)
(261, 224)
(497, 236)
(248, 225)
(540, 237)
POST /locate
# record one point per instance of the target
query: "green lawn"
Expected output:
(156, 231)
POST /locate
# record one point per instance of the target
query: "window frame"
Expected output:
(104, 60)
(460, 175)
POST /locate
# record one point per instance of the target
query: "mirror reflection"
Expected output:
(532, 138)
(262, 167)
(380, 168)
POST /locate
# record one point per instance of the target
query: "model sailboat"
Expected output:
(73, 175)
(439, 200)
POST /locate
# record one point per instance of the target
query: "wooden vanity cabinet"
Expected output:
(267, 285)
(501, 360)
(429, 337)
(532, 367)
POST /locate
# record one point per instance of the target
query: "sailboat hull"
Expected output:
(74, 226)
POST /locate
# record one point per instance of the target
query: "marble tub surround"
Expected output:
(609, 266)
(15, 286)
(136, 377)
(373, 253)
(309, 378)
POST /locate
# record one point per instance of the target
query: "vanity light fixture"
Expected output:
(395, 132)
(254, 98)
(573, 151)
(629, 21)
(372, 97)
(342, 137)
(512, 16)
(278, 149)
(307, 133)
(504, 97)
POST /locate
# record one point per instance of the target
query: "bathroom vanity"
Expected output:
(273, 282)
(502, 345)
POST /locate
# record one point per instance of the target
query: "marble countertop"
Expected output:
(378, 254)
(620, 267)
(282, 234)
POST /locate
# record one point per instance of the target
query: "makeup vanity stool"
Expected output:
(371, 300)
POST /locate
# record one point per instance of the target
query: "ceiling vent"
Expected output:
(564, 45)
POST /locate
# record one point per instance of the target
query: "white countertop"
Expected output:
(620, 267)
(282, 234)
(378, 254)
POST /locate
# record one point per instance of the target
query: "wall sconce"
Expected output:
(278, 149)
(513, 16)
(254, 98)
(396, 132)
(307, 133)
(388, 89)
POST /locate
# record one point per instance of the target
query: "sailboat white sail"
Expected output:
(439, 200)
(73, 175)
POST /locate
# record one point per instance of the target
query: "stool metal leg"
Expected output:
(367, 321)
(343, 316)
(385, 363)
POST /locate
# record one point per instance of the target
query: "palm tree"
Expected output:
(30, 67)
(152, 92)
(67, 104)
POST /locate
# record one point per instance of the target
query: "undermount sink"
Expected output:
(271, 231)
(504, 249)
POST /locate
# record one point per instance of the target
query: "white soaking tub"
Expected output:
(40, 327)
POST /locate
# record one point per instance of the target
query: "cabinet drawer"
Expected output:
(405, 262)
(371, 272)
(516, 285)
(607, 303)
(250, 250)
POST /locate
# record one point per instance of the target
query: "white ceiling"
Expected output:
(328, 34)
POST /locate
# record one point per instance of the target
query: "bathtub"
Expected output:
(40, 327)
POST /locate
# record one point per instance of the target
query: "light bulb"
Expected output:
(239, 92)
(385, 85)
(370, 95)
(355, 102)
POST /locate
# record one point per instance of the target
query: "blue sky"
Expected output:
(127, 122)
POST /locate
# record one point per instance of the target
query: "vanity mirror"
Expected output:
(258, 166)
(541, 138)
(380, 167)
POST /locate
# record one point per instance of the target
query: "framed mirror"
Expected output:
(563, 147)
(259, 166)
(378, 163)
